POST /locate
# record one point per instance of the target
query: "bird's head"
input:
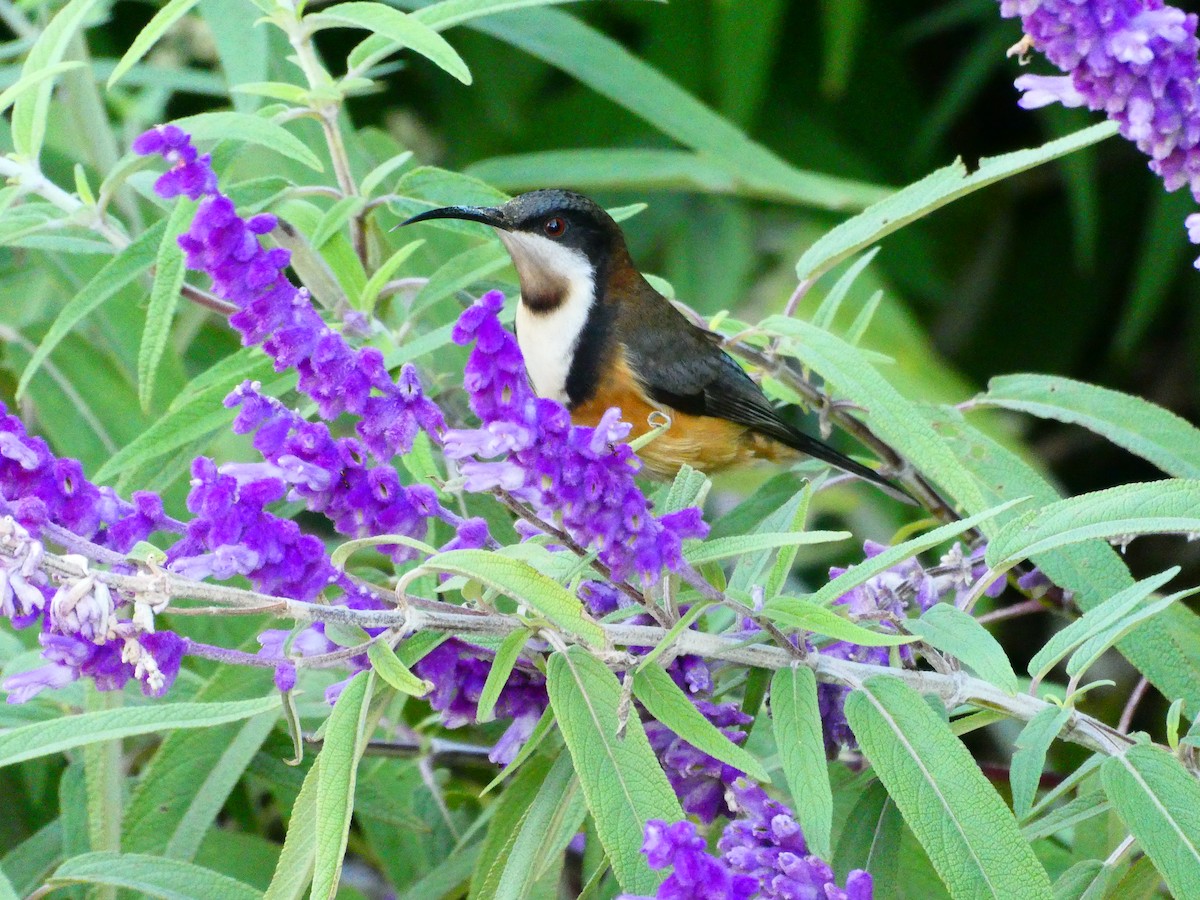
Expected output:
(560, 242)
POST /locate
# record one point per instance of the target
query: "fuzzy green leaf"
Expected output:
(149, 35)
(797, 612)
(388, 666)
(1159, 802)
(294, 871)
(959, 634)
(1030, 757)
(502, 666)
(667, 703)
(399, 28)
(798, 734)
(524, 584)
(249, 129)
(169, 270)
(151, 876)
(971, 837)
(930, 193)
(1155, 507)
(736, 545)
(621, 778)
(56, 735)
(1153, 433)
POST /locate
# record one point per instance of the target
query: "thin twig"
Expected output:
(1131, 705)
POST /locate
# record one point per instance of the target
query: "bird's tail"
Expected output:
(822, 451)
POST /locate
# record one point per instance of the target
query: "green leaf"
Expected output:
(449, 13)
(7, 891)
(149, 35)
(796, 612)
(1159, 802)
(667, 702)
(1070, 815)
(789, 515)
(400, 28)
(796, 717)
(1083, 881)
(375, 177)
(276, 90)
(612, 71)
(382, 275)
(31, 109)
(294, 871)
(249, 129)
(828, 310)
(1156, 507)
(186, 782)
(508, 813)
(689, 488)
(1098, 644)
(971, 837)
(151, 876)
(127, 265)
(502, 666)
(959, 634)
(1153, 433)
(550, 821)
(388, 666)
(736, 545)
(1030, 756)
(621, 778)
(201, 416)
(28, 863)
(56, 735)
(930, 193)
(164, 297)
(10, 94)
(523, 583)
(345, 740)
(335, 218)
(1094, 621)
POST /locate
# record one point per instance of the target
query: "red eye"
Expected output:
(555, 227)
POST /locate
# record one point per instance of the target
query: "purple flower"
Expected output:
(279, 316)
(765, 843)
(1134, 59)
(582, 477)
(699, 780)
(458, 672)
(696, 875)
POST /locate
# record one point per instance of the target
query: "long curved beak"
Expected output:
(488, 215)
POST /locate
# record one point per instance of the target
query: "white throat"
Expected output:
(548, 337)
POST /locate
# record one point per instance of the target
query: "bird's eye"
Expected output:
(555, 227)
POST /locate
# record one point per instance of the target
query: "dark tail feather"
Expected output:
(818, 450)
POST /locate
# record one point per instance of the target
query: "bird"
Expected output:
(596, 334)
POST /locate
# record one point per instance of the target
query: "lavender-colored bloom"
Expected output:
(765, 842)
(697, 875)
(892, 594)
(279, 316)
(700, 781)
(580, 476)
(44, 488)
(1134, 59)
(458, 672)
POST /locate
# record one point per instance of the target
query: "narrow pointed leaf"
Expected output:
(345, 739)
(1030, 758)
(151, 876)
(388, 666)
(796, 716)
(524, 584)
(1171, 506)
(621, 778)
(966, 828)
(502, 666)
(149, 35)
(832, 302)
(667, 703)
(56, 735)
(1159, 802)
(127, 265)
(723, 548)
(294, 871)
(169, 270)
(794, 612)
(249, 129)
(1153, 433)
(400, 28)
(959, 634)
(930, 193)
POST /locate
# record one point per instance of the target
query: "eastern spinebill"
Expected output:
(595, 334)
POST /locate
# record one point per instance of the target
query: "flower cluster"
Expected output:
(579, 476)
(276, 314)
(888, 597)
(696, 875)
(765, 842)
(1134, 59)
(44, 488)
(330, 475)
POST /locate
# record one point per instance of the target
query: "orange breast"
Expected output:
(702, 442)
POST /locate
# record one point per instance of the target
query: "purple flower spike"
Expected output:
(696, 875)
(579, 476)
(1134, 59)
(276, 314)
